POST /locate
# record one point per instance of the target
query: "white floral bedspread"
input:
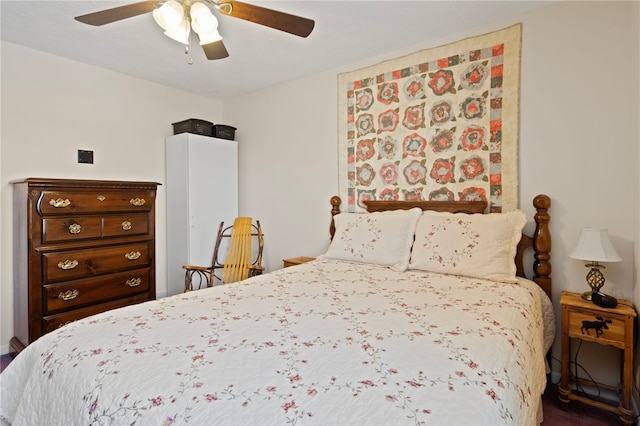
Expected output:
(327, 342)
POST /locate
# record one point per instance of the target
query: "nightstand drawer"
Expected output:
(604, 328)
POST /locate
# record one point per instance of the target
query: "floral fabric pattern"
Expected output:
(473, 245)
(327, 342)
(380, 238)
(460, 98)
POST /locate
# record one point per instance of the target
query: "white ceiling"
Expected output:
(345, 32)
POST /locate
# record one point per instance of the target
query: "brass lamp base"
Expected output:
(595, 279)
(587, 295)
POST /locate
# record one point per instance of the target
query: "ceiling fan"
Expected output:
(177, 18)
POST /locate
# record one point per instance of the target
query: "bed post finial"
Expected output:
(542, 243)
(335, 209)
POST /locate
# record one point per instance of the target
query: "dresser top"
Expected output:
(84, 183)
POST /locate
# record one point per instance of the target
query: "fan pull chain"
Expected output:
(186, 47)
(186, 52)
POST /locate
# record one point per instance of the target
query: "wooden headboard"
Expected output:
(540, 241)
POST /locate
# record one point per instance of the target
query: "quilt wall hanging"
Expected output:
(438, 124)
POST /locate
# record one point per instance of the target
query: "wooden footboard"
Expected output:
(540, 241)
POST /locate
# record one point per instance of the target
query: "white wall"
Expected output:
(51, 107)
(288, 164)
(578, 144)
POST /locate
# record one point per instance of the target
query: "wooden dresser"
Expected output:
(80, 247)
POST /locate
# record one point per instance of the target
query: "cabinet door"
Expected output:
(202, 191)
(213, 196)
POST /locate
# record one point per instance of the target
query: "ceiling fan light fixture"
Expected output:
(177, 17)
(170, 15)
(181, 33)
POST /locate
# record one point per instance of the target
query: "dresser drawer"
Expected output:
(74, 264)
(71, 229)
(604, 328)
(70, 295)
(67, 202)
(121, 225)
(59, 229)
(53, 322)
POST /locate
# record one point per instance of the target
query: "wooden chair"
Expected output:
(243, 244)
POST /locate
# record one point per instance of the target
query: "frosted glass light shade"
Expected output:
(180, 34)
(204, 23)
(169, 16)
(594, 245)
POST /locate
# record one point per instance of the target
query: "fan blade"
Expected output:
(108, 16)
(215, 50)
(291, 24)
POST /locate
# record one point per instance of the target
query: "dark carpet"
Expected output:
(4, 361)
(577, 414)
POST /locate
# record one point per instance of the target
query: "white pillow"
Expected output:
(473, 245)
(381, 238)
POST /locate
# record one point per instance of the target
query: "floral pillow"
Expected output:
(473, 245)
(381, 238)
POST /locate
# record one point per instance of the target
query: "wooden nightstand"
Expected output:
(297, 260)
(582, 319)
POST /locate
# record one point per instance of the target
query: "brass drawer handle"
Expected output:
(126, 225)
(68, 264)
(68, 295)
(101, 198)
(137, 202)
(133, 255)
(134, 282)
(75, 228)
(60, 203)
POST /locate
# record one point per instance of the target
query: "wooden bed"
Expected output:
(325, 342)
(540, 241)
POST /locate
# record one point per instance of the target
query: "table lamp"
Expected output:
(594, 246)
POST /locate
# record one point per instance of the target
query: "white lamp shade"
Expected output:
(594, 245)
(169, 16)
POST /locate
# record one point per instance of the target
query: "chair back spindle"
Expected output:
(236, 243)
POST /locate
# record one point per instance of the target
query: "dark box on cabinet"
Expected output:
(223, 132)
(193, 125)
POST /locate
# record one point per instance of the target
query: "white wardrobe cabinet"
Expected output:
(202, 191)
